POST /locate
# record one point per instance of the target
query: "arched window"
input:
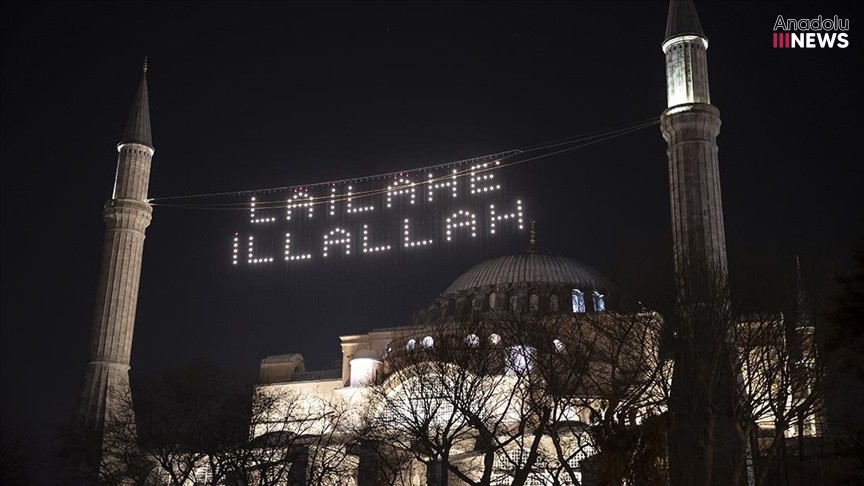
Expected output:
(599, 303)
(472, 340)
(493, 298)
(520, 360)
(559, 346)
(578, 301)
(428, 342)
(363, 371)
(410, 344)
(553, 303)
(494, 339)
(534, 302)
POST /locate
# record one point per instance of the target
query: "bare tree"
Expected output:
(197, 426)
(703, 441)
(512, 397)
(744, 383)
(780, 391)
(289, 438)
(445, 401)
(595, 379)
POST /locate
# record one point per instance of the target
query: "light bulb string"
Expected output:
(483, 163)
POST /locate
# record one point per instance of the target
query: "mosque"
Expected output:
(520, 313)
(502, 319)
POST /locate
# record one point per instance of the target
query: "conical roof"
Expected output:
(682, 19)
(138, 124)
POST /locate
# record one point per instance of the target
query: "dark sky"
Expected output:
(261, 95)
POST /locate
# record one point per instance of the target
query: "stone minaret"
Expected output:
(703, 442)
(127, 215)
(690, 125)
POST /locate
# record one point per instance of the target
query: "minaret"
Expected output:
(690, 125)
(703, 443)
(806, 355)
(126, 216)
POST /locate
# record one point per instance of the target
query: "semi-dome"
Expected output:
(528, 268)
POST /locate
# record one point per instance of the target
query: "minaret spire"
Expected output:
(127, 215)
(137, 128)
(802, 309)
(682, 20)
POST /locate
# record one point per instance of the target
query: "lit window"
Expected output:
(428, 342)
(519, 360)
(494, 339)
(203, 475)
(599, 303)
(578, 301)
(472, 340)
(559, 346)
(410, 345)
(363, 371)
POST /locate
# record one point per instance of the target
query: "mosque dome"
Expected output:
(527, 269)
(536, 283)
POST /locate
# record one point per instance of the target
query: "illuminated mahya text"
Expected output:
(362, 218)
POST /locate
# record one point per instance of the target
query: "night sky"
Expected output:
(246, 96)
